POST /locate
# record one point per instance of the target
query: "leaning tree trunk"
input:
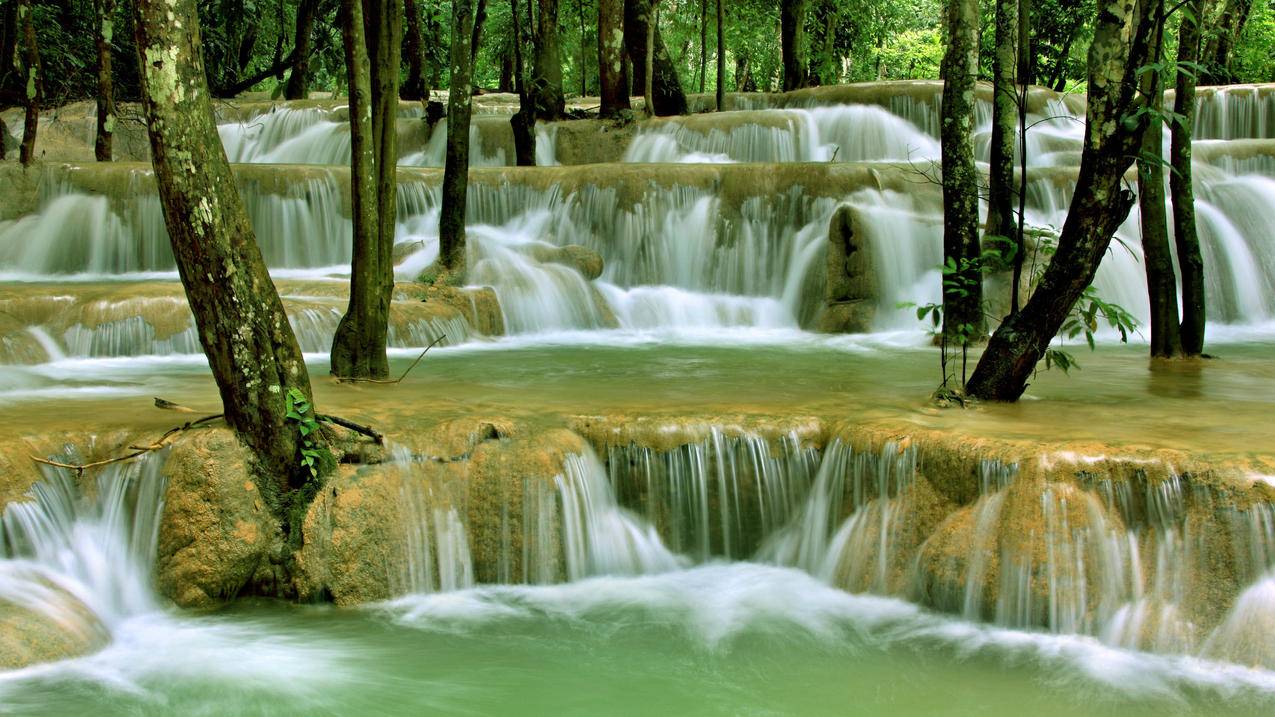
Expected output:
(1000, 190)
(546, 66)
(524, 120)
(1162, 286)
(1113, 134)
(303, 44)
(372, 35)
(667, 95)
(612, 84)
(721, 57)
(105, 91)
(792, 36)
(239, 318)
(1190, 260)
(963, 290)
(33, 82)
(451, 223)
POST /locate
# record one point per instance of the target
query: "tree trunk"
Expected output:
(451, 223)
(524, 120)
(1228, 24)
(612, 84)
(703, 45)
(105, 90)
(584, 65)
(1190, 260)
(721, 57)
(648, 70)
(34, 82)
(240, 320)
(792, 24)
(963, 290)
(414, 87)
(1000, 192)
(372, 34)
(1098, 205)
(666, 89)
(1162, 285)
(299, 76)
(546, 67)
(480, 20)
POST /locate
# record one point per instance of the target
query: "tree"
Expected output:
(414, 87)
(667, 96)
(546, 66)
(1229, 18)
(451, 223)
(703, 45)
(34, 82)
(792, 28)
(104, 32)
(299, 76)
(524, 120)
(1000, 190)
(721, 57)
(963, 319)
(1157, 261)
(1116, 116)
(372, 35)
(612, 83)
(239, 318)
(1190, 260)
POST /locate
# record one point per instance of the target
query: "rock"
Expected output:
(62, 628)
(581, 258)
(851, 291)
(217, 536)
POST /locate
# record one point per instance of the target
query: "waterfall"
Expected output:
(437, 557)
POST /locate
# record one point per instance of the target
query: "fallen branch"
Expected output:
(356, 427)
(342, 379)
(138, 451)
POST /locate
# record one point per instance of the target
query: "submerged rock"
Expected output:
(63, 628)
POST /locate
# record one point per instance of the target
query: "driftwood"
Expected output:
(342, 379)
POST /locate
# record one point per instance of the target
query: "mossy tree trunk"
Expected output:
(414, 87)
(451, 223)
(1157, 261)
(372, 34)
(721, 56)
(524, 120)
(1190, 260)
(546, 66)
(33, 82)
(1113, 133)
(250, 346)
(104, 30)
(1000, 189)
(298, 86)
(792, 37)
(963, 289)
(613, 85)
(667, 96)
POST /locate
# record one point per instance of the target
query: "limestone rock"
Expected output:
(66, 629)
(581, 258)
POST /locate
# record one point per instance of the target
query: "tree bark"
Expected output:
(102, 38)
(480, 20)
(1228, 24)
(1157, 261)
(414, 87)
(451, 223)
(667, 97)
(240, 320)
(792, 26)
(546, 67)
(721, 57)
(372, 35)
(612, 84)
(962, 290)
(303, 44)
(33, 81)
(524, 120)
(1000, 192)
(703, 45)
(1113, 133)
(1190, 260)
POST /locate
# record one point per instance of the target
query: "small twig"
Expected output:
(435, 342)
(356, 427)
(138, 451)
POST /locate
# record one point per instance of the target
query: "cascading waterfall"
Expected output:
(437, 547)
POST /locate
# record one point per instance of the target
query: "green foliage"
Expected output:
(299, 411)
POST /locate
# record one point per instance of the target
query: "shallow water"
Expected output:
(719, 639)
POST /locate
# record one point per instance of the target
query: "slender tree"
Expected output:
(640, 31)
(1157, 261)
(524, 120)
(1113, 133)
(1000, 190)
(102, 37)
(1190, 260)
(1228, 23)
(371, 31)
(703, 45)
(721, 56)
(33, 82)
(962, 285)
(451, 223)
(792, 30)
(414, 87)
(299, 76)
(612, 83)
(250, 346)
(546, 66)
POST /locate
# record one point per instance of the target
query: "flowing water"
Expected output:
(731, 570)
